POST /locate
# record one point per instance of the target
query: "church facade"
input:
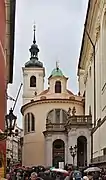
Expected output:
(55, 127)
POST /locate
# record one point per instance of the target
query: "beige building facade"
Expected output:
(92, 75)
(53, 118)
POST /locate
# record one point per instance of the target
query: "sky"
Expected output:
(59, 30)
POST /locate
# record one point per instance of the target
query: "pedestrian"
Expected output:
(33, 176)
(18, 176)
(70, 172)
(8, 177)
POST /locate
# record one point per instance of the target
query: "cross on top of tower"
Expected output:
(57, 65)
(34, 41)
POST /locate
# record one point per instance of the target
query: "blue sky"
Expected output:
(59, 29)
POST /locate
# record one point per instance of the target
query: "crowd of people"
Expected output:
(41, 173)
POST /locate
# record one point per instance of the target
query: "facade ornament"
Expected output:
(48, 121)
(85, 77)
(91, 55)
(69, 113)
(98, 28)
(74, 111)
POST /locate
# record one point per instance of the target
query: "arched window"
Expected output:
(29, 123)
(58, 87)
(33, 81)
(56, 116)
(32, 123)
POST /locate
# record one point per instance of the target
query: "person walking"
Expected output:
(33, 176)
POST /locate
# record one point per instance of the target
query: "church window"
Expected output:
(90, 113)
(29, 123)
(33, 81)
(58, 87)
(56, 116)
(57, 111)
(32, 123)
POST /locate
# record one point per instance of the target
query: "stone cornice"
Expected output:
(48, 134)
(91, 25)
(47, 101)
(99, 125)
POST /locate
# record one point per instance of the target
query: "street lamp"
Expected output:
(10, 126)
(73, 152)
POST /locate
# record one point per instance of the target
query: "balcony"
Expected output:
(55, 127)
(73, 121)
(80, 120)
(99, 159)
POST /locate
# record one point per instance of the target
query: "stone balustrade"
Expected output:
(55, 127)
(80, 119)
(72, 121)
(99, 159)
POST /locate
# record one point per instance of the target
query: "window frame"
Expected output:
(58, 87)
(32, 86)
(29, 117)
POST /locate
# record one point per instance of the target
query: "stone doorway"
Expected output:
(81, 151)
(58, 153)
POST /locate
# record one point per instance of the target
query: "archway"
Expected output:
(81, 151)
(58, 154)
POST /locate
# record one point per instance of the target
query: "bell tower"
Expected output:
(33, 74)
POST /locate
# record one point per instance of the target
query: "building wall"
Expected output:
(34, 143)
(3, 63)
(2, 75)
(96, 26)
(13, 147)
(7, 39)
(63, 81)
(69, 139)
(29, 92)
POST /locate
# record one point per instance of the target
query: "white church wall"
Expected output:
(34, 143)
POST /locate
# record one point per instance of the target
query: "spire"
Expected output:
(34, 41)
(57, 65)
(34, 48)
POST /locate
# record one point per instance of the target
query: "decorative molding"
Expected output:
(73, 132)
(82, 133)
(97, 31)
(47, 101)
(25, 74)
(85, 77)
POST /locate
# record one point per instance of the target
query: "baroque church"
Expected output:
(55, 127)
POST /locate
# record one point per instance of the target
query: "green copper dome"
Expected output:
(56, 72)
